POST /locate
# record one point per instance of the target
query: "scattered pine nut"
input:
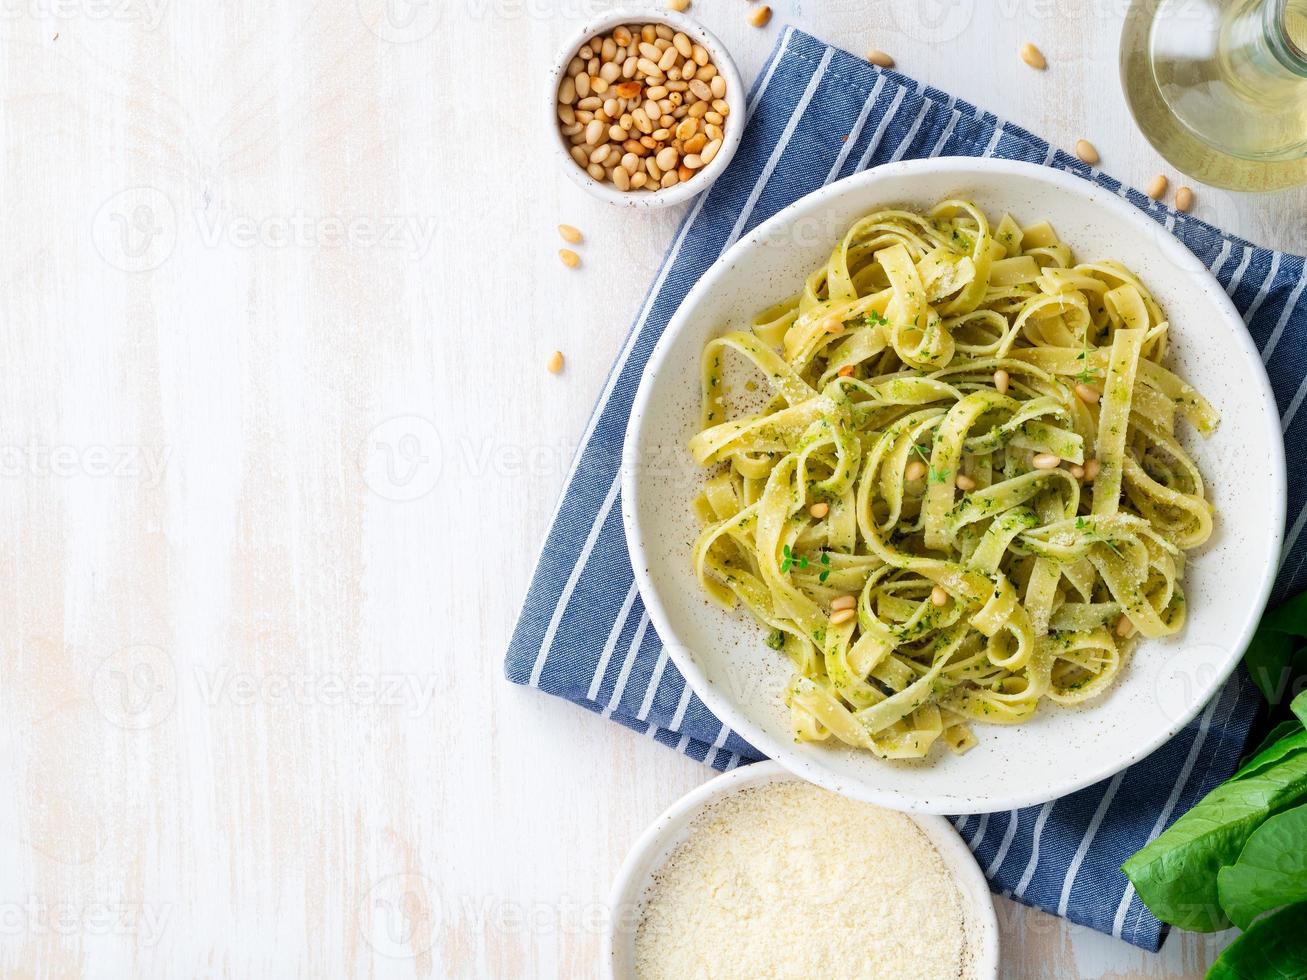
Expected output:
(680, 6)
(1088, 394)
(880, 59)
(914, 470)
(1124, 627)
(555, 362)
(1157, 187)
(1032, 56)
(570, 234)
(1001, 381)
(843, 602)
(1078, 472)
(1086, 152)
(965, 483)
(938, 596)
(1047, 461)
(570, 258)
(1184, 198)
(819, 510)
(1092, 466)
(846, 371)
(841, 616)
(760, 16)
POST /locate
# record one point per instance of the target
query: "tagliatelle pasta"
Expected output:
(962, 492)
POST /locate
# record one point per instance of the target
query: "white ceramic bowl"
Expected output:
(732, 130)
(656, 844)
(1060, 750)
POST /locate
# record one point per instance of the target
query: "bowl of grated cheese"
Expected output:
(759, 873)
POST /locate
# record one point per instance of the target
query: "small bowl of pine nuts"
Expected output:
(647, 108)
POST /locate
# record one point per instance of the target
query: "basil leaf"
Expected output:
(1272, 948)
(1273, 755)
(1282, 730)
(1299, 707)
(1271, 870)
(1175, 875)
(1273, 657)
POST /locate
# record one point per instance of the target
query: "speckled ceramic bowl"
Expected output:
(731, 130)
(1165, 683)
(656, 844)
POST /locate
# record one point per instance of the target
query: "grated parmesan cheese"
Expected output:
(787, 880)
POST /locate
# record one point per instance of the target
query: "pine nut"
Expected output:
(819, 510)
(701, 57)
(664, 32)
(880, 59)
(717, 86)
(622, 36)
(598, 86)
(601, 154)
(1086, 152)
(630, 163)
(938, 596)
(708, 72)
(555, 362)
(668, 59)
(648, 34)
(1032, 56)
(680, 6)
(566, 114)
(710, 152)
(610, 72)
(594, 132)
(570, 234)
(621, 179)
(965, 483)
(842, 616)
(628, 90)
(1184, 198)
(1124, 627)
(580, 156)
(1047, 461)
(667, 158)
(650, 51)
(1092, 468)
(570, 258)
(760, 17)
(843, 602)
(1157, 187)
(1078, 472)
(618, 135)
(1087, 394)
(596, 171)
(701, 89)
(914, 471)
(586, 53)
(683, 172)
(669, 180)
(846, 371)
(650, 68)
(583, 85)
(567, 91)
(695, 143)
(683, 44)
(1001, 381)
(639, 179)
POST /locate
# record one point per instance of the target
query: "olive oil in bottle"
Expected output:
(1219, 87)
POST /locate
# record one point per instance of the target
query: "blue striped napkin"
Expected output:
(584, 634)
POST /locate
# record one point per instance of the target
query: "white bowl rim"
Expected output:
(738, 720)
(972, 885)
(735, 97)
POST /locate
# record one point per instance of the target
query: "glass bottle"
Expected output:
(1219, 87)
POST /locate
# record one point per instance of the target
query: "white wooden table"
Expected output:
(254, 720)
